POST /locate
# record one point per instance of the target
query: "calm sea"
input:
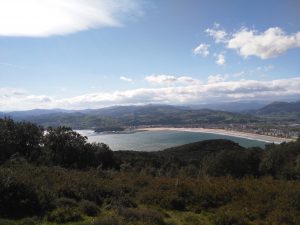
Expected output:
(159, 140)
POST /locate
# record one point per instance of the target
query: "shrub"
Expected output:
(28, 221)
(174, 203)
(89, 208)
(64, 215)
(229, 218)
(106, 221)
(65, 202)
(121, 202)
(145, 215)
(190, 219)
(17, 199)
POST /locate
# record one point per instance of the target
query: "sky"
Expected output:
(78, 54)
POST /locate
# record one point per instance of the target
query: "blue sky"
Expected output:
(94, 53)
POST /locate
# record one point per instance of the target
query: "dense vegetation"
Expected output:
(55, 176)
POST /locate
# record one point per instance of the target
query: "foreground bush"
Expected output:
(64, 215)
(106, 221)
(89, 208)
(145, 216)
(17, 199)
(229, 218)
(61, 195)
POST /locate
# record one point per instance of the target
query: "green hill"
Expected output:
(121, 116)
(285, 111)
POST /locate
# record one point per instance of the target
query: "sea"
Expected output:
(159, 140)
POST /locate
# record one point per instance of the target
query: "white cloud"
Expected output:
(273, 42)
(126, 79)
(170, 80)
(161, 79)
(220, 59)
(219, 35)
(11, 98)
(201, 49)
(43, 18)
(217, 78)
(194, 93)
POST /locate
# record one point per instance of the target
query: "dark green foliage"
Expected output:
(62, 178)
(64, 215)
(110, 128)
(106, 221)
(65, 203)
(59, 146)
(229, 218)
(145, 216)
(282, 161)
(120, 202)
(89, 208)
(61, 193)
(17, 199)
(173, 203)
(19, 138)
(29, 221)
(69, 149)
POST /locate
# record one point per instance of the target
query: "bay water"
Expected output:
(159, 140)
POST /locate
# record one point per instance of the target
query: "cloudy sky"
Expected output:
(79, 54)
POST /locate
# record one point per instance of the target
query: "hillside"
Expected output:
(280, 110)
(120, 116)
(57, 177)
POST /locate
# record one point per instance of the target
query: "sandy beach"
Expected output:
(251, 136)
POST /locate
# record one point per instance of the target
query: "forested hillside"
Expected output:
(57, 177)
(122, 116)
(283, 111)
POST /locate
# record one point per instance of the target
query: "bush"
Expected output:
(229, 218)
(17, 200)
(89, 208)
(145, 215)
(28, 221)
(106, 221)
(65, 202)
(121, 202)
(173, 203)
(64, 215)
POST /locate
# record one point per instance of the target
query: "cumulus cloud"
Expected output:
(126, 79)
(249, 42)
(43, 18)
(170, 80)
(201, 49)
(220, 59)
(218, 34)
(194, 93)
(270, 43)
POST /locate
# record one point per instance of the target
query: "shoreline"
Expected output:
(251, 136)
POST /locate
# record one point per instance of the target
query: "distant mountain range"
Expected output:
(120, 116)
(280, 110)
(238, 106)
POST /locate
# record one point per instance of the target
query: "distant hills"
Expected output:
(122, 116)
(238, 106)
(281, 111)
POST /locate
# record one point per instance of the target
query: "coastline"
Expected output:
(251, 136)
